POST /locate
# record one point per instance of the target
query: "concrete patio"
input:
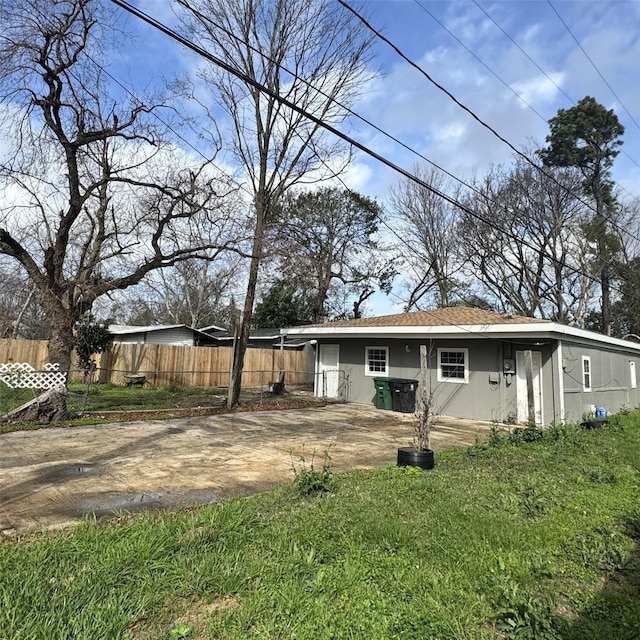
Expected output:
(54, 477)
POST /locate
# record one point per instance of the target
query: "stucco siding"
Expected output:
(610, 380)
(489, 394)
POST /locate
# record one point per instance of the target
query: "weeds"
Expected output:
(520, 614)
(308, 480)
(603, 549)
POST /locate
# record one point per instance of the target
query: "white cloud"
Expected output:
(539, 89)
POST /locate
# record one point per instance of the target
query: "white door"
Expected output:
(521, 386)
(328, 381)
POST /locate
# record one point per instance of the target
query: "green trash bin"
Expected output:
(384, 399)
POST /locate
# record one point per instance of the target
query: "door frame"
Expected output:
(321, 369)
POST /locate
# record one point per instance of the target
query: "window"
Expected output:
(453, 365)
(377, 361)
(586, 373)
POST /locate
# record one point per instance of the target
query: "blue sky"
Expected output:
(464, 49)
(462, 45)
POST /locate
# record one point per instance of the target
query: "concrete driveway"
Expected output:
(54, 477)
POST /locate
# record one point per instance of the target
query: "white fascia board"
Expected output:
(547, 330)
(472, 331)
(582, 335)
(127, 329)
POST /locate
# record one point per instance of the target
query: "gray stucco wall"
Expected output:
(610, 380)
(489, 393)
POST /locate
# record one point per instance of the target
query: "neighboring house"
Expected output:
(171, 334)
(258, 339)
(481, 365)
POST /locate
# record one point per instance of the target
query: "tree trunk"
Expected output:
(603, 254)
(61, 340)
(605, 284)
(247, 313)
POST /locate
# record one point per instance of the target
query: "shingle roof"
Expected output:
(446, 316)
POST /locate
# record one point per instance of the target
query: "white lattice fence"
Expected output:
(21, 375)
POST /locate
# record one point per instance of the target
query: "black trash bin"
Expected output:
(403, 392)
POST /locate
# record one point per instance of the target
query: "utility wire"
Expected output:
(486, 66)
(204, 18)
(557, 86)
(615, 95)
(526, 55)
(166, 124)
(235, 72)
(551, 80)
(475, 116)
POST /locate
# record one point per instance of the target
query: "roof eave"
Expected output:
(544, 330)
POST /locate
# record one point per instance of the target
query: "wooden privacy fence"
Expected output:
(165, 365)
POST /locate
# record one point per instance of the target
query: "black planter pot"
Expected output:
(409, 457)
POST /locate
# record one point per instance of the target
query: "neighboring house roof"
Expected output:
(270, 336)
(254, 334)
(459, 322)
(127, 330)
(212, 328)
(123, 329)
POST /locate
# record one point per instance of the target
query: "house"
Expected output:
(480, 364)
(258, 339)
(171, 334)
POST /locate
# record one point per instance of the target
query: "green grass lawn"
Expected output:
(89, 405)
(110, 397)
(514, 540)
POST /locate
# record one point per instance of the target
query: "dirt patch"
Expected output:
(184, 618)
(265, 404)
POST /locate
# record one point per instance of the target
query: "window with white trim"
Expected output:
(586, 373)
(453, 365)
(376, 361)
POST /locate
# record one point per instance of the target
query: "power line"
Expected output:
(166, 124)
(204, 18)
(486, 66)
(593, 64)
(527, 56)
(347, 109)
(475, 116)
(242, 76)
(546, 75)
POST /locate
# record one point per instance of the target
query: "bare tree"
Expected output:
(527, 247)
(21, 315)
(194, 292)
(428, 237)
(91, 196)
(311, 52)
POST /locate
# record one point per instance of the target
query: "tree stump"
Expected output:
(50, 406)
